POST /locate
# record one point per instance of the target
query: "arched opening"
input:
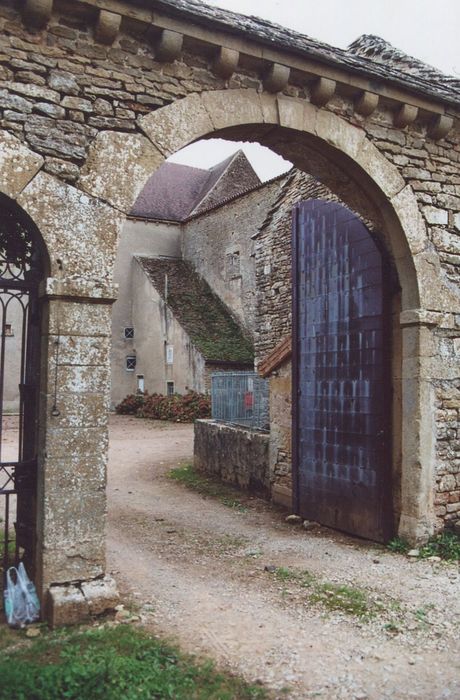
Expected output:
(312, 157)
(23, 263)
(340, 155)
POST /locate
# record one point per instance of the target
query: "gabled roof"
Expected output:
(204, 317)
(174, 191)
(279, 37)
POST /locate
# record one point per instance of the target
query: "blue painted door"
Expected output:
(341, 372)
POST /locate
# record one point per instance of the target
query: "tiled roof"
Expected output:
(380, 51)
(174, 191)
(204, 317)
(274, 35)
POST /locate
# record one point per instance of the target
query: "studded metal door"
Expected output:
(341, 372)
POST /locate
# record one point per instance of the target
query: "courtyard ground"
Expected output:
(333, 617)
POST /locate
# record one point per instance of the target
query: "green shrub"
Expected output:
(446, 545)
(180, 408)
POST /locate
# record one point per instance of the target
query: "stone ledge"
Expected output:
(74, 603)
(66, 605)
(420, 317)
(100, 594)
(79, 290)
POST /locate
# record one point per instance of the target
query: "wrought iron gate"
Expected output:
(20, 274)
(342, 378)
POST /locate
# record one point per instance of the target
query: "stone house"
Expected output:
(192, 226)
(92, 101)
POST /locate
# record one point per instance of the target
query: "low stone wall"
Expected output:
(234, 454)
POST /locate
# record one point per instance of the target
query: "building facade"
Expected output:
(187, 220)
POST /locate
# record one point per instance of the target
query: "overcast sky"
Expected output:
(425, 29)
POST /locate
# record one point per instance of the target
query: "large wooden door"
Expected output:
(341, 373)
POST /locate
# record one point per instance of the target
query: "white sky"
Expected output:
(425, 29)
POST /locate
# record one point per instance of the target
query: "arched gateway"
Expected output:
(369, 136)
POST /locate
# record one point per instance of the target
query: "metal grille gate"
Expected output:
(342, 378)
(20, 273)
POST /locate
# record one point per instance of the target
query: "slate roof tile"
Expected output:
(271, 34)
(205, 318)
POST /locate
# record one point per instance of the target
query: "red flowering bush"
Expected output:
(178, 408)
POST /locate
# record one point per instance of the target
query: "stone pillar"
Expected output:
(73, 451)
(418, 426)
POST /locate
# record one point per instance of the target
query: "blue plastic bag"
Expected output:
(21, 601)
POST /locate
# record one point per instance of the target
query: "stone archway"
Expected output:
(79, 293)
(344, 159)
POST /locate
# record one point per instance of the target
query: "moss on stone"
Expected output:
(205, 318)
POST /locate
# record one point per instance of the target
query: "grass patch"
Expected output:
(304, 578)
(120, 663)
(335, 597)
(398, 545)
(352, 601)
(207, 487)
(446, 546)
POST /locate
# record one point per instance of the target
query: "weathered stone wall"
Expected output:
(59, 87)
(280, 453)
(219, 245)
(234, 454)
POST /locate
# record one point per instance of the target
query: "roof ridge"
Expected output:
(269, 33)
(233, 197)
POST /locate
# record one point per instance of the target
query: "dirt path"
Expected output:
(197, 570)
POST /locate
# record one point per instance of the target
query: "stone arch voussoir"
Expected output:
(197, 116)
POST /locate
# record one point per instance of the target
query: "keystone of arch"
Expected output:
(172, 127)
(18, 165)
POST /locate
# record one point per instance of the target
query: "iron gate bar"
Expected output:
(21, 269)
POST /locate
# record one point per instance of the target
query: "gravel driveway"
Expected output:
(197, 569)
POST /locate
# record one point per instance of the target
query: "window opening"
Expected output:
(130, 363)
(140, 383)
(169, 388)
(232, 264)
(129, 332)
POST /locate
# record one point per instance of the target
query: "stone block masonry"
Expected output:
(234, 454)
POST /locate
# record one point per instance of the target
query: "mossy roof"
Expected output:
(204, 317)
